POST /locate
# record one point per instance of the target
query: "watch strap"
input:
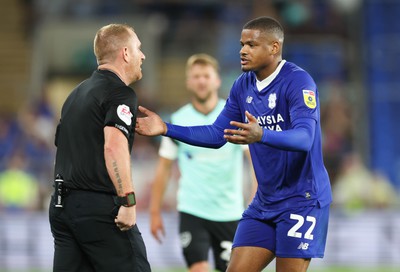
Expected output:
(128, 200)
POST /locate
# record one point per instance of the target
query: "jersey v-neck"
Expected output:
(266, 81)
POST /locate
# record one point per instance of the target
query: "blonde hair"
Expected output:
(109, 39)
(202, 59)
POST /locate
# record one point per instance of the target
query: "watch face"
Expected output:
(131, 199)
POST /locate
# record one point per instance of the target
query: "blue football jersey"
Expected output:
(286, 179)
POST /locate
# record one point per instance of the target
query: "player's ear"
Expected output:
(276, 47)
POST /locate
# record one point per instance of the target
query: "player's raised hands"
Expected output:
(246, 133)
(151, 124)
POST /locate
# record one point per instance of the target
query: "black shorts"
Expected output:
(198, 235)
(86, 237)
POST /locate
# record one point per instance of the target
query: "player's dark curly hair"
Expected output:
(266, 24)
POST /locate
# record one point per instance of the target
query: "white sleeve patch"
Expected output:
(124, 113)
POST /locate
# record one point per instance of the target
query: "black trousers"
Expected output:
(87, 239)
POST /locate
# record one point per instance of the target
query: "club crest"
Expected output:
(185, 238)
(272, 100)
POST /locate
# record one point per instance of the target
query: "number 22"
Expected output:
(293, 232)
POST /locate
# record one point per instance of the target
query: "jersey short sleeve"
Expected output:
(168, 149)
(121, 110)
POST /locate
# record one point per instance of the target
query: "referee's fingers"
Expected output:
(125, 228)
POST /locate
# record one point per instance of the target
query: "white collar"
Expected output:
(266, 81)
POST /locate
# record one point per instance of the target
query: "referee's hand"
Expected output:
(126, 218)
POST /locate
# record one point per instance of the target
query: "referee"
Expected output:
(93, 212)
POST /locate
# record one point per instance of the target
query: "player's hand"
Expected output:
(126, 218)
(246, 133)
(151, 124)
(157, 227)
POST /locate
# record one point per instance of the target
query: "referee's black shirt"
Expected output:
(101, 100)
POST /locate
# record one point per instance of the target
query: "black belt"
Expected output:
(70, 189)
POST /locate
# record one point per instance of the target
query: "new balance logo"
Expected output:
(303, 246)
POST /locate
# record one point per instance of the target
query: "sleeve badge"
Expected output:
(310, 99)
(124, 113)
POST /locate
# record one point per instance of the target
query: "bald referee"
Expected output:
(93, 210)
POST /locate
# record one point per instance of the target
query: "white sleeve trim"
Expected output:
(168, 149)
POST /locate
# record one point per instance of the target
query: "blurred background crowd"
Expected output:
(350, 47)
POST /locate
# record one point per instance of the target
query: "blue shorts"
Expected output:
(291, 233)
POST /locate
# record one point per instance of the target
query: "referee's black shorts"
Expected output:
(86, 237)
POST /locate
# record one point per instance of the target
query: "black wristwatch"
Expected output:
(128, 200)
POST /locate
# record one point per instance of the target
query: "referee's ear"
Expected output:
(125, 54)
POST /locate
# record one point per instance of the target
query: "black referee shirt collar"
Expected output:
(110, 73)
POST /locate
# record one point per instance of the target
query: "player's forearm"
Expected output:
(157, 195)
(159, 185)
(211, 136)
(300, 138)
(204, 136)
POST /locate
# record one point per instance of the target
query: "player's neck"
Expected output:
(206, 106)
(267, 71)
